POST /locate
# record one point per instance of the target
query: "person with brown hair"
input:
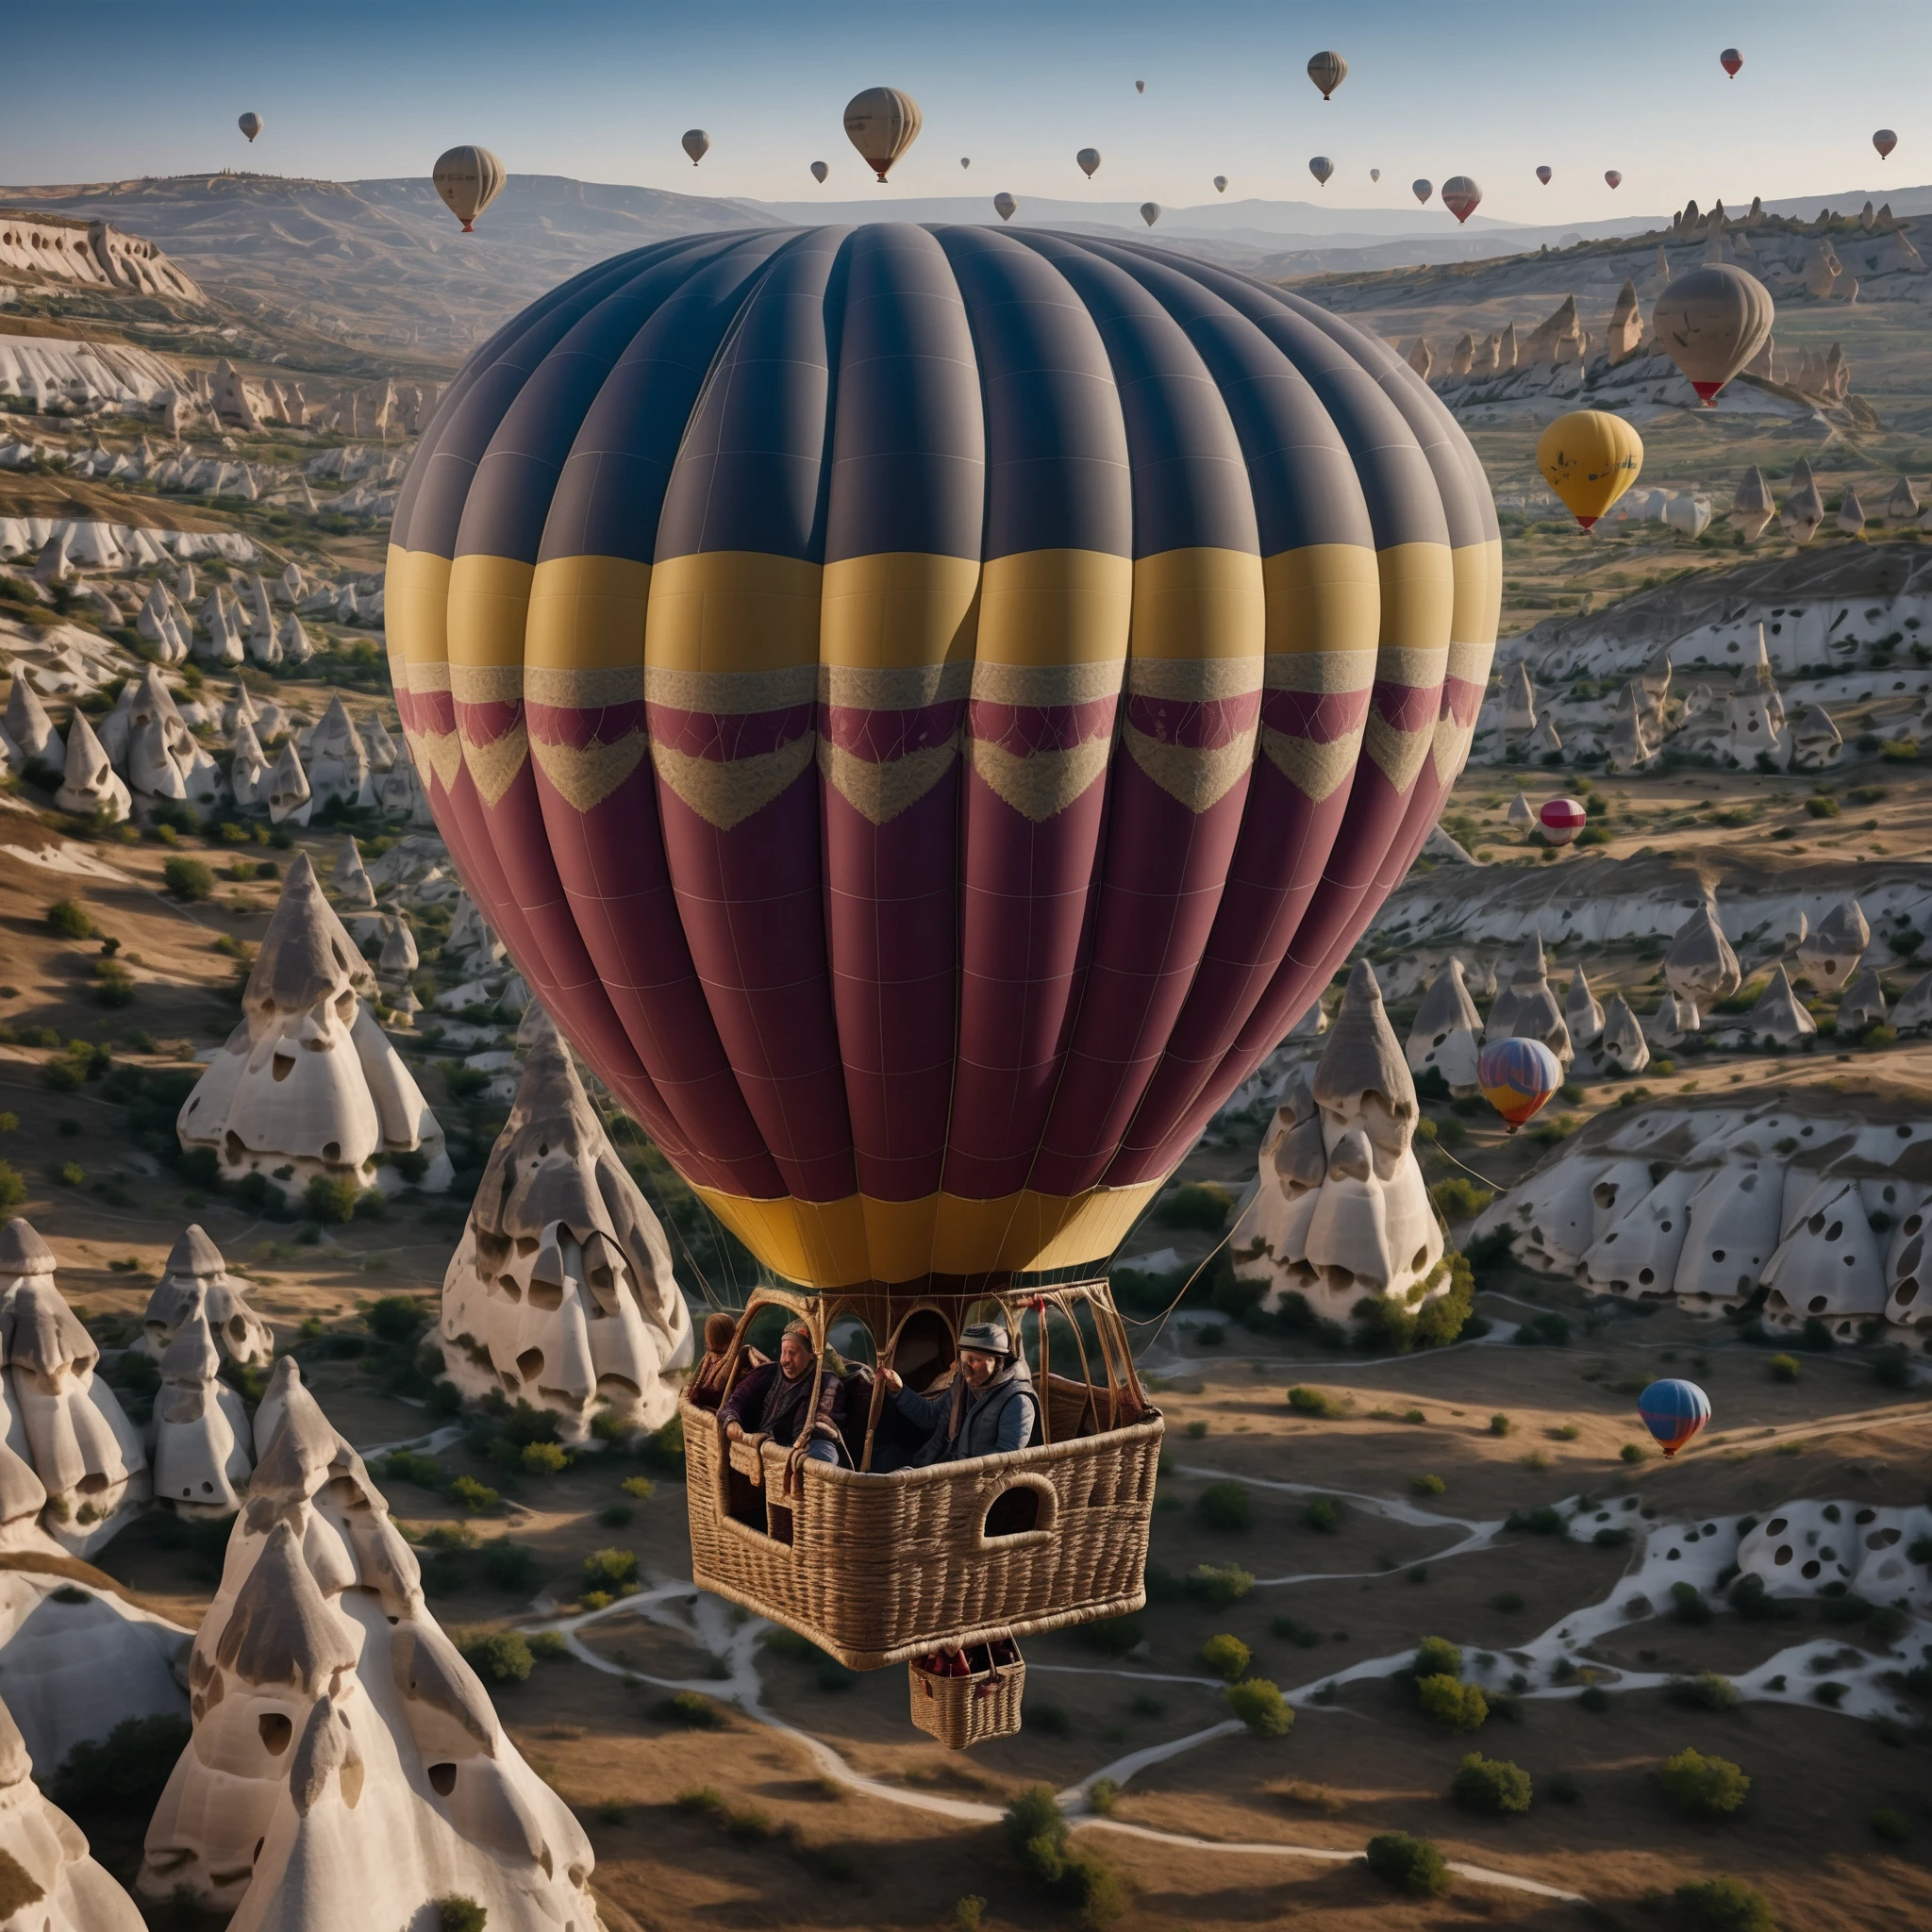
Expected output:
(774, 1401)
(707, 1385)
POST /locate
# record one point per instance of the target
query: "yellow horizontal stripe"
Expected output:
(847, 1242)
(733, 611)
(1323, 597)
(415, 605)
(587, 613)
(489, 610)
(1199, 603)
(1418, 595)
(899, 611)
(1479, 592)
(1056, 607)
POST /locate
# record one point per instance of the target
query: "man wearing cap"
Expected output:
(989, 1409)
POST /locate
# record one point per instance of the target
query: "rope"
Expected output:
(1148, 1320)
(1495, 1187)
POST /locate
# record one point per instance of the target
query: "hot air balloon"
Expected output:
(1711, 322)
(250, 125)
(1087, 161)
(1327, 71)
(1561, 819)
(469, 179)
(1140, 86)
(1542, 174)
(1884, 141)
(1150, 213)
(1589, 457)
(1461, 196)
(965, 161)
(882, 122)
(1374, 173)
(1005, 207)
(1612, 175)
(1321, 168)
(1730, 60)
(1674, 1411)
(1221, 184)
(819, 171)
(927, 1016)
(1517, 1077)
(1422, 190)
(696, 144)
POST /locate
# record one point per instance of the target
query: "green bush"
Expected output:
(615, 1570)
(1457, 1199)
(456, 1913)
(687, 1707)
(1492, 1786)
(1688, 1604)
(1227, 1656)
(188, 879)
(1219, 1585)
(331, 1198)
(501, 1656)
(642, 1487)
(1702, 1786)
(1307, 1401)
(1452, 1703)
(1436, 1656)
(407, 1466)
(1113, 1636)
(68, 919)
(1427, 1485)
(122, 1772)
(1500, 1425)
(1411, 1865)
(12, 1189)
(1727, 1905)
(1261, 1706)
(1706, 1692)
(543, 1458)
(1226, 1506)
(478, 1498)
(1322, 1515)
(1784, 1368)
(1202, 1204)
(1038, 1834)
(396, 1318)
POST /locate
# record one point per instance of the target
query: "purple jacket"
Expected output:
(765, 1403)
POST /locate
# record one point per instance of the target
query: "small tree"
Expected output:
(1261, 1706)
(1228, 1506)
(332, 1197)
(1411, 1865)
(1727, 1905)
(502, 1656)
(1227, 1656)
(1436, 1656)
(1492, 1786)
(68, 919)
(1454, 1705)
(1702, 1786)
(459, 1914)
(188, 879)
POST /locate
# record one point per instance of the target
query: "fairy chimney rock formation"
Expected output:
(1863, 1004)
(308, 1087)
(337, 763)
(1830, 954)
(1582, 1015)
(350, 881)
(1446, 1032)
(1342, 1211)
(1521, 817)
(196, 1280)
(29, 729)
(1816, 742)
(286, 789)
(561, 1292)
(1804, 508)
(1558, 340)
(1779, 1018)
(1526, 1009)
(346, 1767)
(1701, 966)
(90, 787)
(1624, 337)
(1621, 1047)
(1752, 508)
(202, 1443)
(1754, 725)
(1519, 700)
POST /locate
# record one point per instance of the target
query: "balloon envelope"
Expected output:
(1221, 184)
(1589, 457)
(1884, 141)
(819, 171)
(1730, 60)
(1327, 71)
(1517, 1077)
(1561, 819)
(1711, 322)
(1542, 174)
(250, 125)
(1140, 86)
(1461, 195)
(1005, 207)
(1321, 167)
(1674, 1411)
(860, 723)
(1150, 213)
(882, 122)
(469, 179)
(965, 161)
(696, 144)
(1612, 175)
(1087, 161)
(1422, 190)
(1374, 173)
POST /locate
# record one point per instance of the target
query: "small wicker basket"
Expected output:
(959, 1711)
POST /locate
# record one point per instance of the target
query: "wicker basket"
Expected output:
(959, 1711)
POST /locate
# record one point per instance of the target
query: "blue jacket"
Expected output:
(1002, 1416)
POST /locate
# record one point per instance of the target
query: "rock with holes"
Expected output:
(1526, 1009)
(1753, 733)
(1908, 1268)
(1674, 1019)
(62, 1421)
(346, 1767)
(560, 1292)
(1582, 1015)
(1779, 1018)
(48, 1883)
(1447, 1031)
(1809, 1547)
(1829, 955)
(308, 1086)
(1862, 1005)
(1829, 1265)
(1913, 1013)
(336, 760)
(1816, 742)
(1621, 1047)
(1636, 1254)
(202, 1444)
(1732, 1233)
(196, 1280)
(1701, 965)
(1342, 1211)
(90, 787)
(285, 791)
(350, 882)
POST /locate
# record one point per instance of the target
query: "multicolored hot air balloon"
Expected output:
(1087, 161)
(696, 144)
(1517, 1077)
(1328, 70)
(1421, 190)
(1589, 457)
(1884, 141)
(1005, 206)
(1730, 60)
(1221, 184)
(882, 122)
(927, 709)
(819, 171)
(1461, 195)
(1321, 167)
(1712, 320)
(250, 125)
(1613, 177)
(1561, 819)
(468, 179)
(1674, 1411)
(1150, 213)
(1542, 174)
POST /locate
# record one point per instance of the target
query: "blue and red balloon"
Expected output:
(1674, 1411)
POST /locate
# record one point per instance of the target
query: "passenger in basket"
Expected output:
(991, 1408)
(707, 1385)
(775, 1400)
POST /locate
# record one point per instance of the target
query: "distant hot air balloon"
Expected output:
(1327, 71)
(1374, 173)
(696, 144)
(1221, 184)
(1150, 213)
(250, 125)
(1674, 1411)
(1884, 141)
(1561, 819)
(1589, 457)
(1730, 60)
(1005, 206)
(1542, 174)
(819, 171)
(1422, 190)
(1321, 167)
(1612, 175)
(1087, 161)
(965, 161)
(1140, 86)
(1517, 1077)
(882, 122)
(1712, 320)
(1461, 195)
(469, 179)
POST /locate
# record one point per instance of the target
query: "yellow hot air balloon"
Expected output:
(469, 179)
(250, 125)
(882, 122)
(1712, 320)
(1589, 457)
(696, 144)
(1327, 71)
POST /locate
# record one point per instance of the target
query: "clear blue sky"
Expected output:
(603, 92)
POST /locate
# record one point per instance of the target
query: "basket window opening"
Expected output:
(1013, 1512)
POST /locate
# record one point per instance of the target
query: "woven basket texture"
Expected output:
(959, 1711)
